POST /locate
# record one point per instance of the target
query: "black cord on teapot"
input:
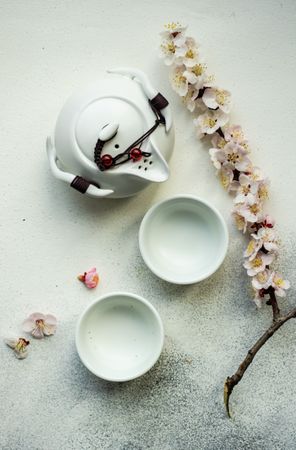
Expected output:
(133, 151)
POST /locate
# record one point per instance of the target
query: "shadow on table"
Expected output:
(172, 368)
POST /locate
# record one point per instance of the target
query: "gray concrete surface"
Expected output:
(49, 234)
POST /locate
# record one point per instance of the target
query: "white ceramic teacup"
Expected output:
(119, 337)
(183, 239)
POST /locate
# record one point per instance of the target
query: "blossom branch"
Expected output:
(230, 156)
(232, 381)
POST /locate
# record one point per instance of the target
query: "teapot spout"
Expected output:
(157, 176)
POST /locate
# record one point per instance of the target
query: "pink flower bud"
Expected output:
(90, 278)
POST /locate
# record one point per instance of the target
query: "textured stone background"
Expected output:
(49, 234)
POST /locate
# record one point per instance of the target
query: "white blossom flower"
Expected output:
(234, 134)
(178, 81)
(209, 81)
(215, 157)
(172, 48)
(236, 156)
(279, 284)
(265, 237)
(215, 98)
(190, 98)
(226, 178)
(262, 280)
(252, 248)
(259, 263)
(247, 190)
(196, 75)
(19, 346)
(167, 51)
(263, 189)
(174, 30)
(40, 325)
(240, 221)
(191, 55)
(218, 141)
(256, 174)
(180, 55)
(232, 155)
(210, 121)
(251, 210)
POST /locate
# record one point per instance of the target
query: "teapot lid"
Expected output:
(106, 110)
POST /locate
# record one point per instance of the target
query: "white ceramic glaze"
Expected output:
(120, 101)
(183, 240)
(119, 337)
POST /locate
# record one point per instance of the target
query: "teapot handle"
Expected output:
(150, 92)
(75, 181)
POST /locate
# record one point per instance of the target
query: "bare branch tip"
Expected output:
(227, 393)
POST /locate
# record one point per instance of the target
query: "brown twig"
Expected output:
(273, 302)
(278, 321)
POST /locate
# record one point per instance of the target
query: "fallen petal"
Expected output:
(50, 320)
(90, 278)
(49, 330)
(37, 332)
(36, 316)
(22, 354)
(19, 346)
(28, 325)
(11, 342)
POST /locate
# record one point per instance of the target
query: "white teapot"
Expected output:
(113, 138)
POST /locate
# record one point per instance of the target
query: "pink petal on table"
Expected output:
(49, 330)
(37, 316)
(37, 332)
(28, 325)
(50, 319)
